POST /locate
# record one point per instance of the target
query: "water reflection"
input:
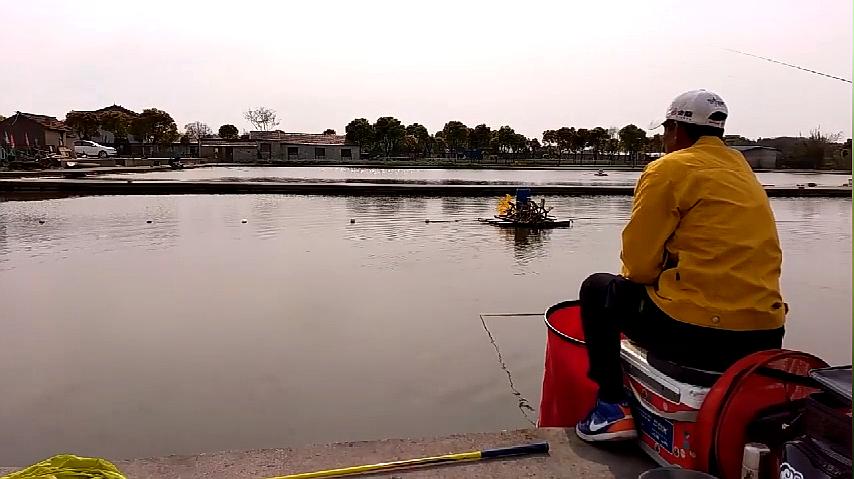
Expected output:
(49, 230)
(453, 205)
(3, 243)
(388, 205)
(268, 216)
(33, 195)
(357, 205)
(385, 206)
(514, 176)
(527, 243)
(197, 315)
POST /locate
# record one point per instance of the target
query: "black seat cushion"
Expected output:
(685, 374)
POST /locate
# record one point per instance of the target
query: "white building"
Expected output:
(281, 146)
(759, 157)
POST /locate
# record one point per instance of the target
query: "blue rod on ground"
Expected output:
(513, 451)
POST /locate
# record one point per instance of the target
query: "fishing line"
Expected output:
(787, 64)
(524, 405)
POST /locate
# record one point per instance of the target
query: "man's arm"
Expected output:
(654, 218)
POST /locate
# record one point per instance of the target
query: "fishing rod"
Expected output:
(521, 450)
(787, 64)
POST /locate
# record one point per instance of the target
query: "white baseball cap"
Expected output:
(699, 107)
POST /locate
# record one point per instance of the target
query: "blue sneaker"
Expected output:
(607, 422)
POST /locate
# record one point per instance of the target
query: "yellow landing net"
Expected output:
(67, 466)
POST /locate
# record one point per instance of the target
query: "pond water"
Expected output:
(198, 332)
(437, 175)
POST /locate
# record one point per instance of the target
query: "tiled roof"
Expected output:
(233, 143)
(48, 122)
(752, 147)
(298, 138)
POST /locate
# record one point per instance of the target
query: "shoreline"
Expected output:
(568, 458)
(105, 170)
(87, 187)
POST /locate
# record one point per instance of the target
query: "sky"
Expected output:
(533, 65)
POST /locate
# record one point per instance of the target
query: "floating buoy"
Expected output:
(149, 221)
(352, 220)
(244, 220)
(41, 222)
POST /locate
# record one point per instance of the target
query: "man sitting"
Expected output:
(700, 282)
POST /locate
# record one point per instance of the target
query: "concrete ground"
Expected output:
(568, 458)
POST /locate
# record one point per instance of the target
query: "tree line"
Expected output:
(819, 149)
(388, 137)
(151, 126)
(155, 126)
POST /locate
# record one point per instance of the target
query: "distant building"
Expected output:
(280, 146)
(738, 140)
(759, 157)
(36, 131)
(228, 151)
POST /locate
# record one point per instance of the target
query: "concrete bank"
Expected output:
(568, 458)
(158, 165)
(142, 187)
(90, 171)
(138, 165)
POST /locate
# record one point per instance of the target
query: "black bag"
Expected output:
(824, 450)
(828, 420)
(808, 458)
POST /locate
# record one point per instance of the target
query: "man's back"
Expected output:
(700, 284)
(703, 236)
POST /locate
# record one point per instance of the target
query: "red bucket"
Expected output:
(567, 395)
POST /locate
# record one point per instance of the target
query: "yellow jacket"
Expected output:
(702, 237)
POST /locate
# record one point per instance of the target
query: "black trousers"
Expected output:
(611, 305)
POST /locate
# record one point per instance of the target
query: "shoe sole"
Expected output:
(608, 436)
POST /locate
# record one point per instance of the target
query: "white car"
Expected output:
(90, 148)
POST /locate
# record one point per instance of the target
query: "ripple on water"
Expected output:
(198, 315)
(437, 175)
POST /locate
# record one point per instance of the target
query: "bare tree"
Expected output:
(262, 118)
(818, 146)
(817, 135)
(197, 130)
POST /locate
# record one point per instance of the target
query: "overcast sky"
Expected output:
(533, 65)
